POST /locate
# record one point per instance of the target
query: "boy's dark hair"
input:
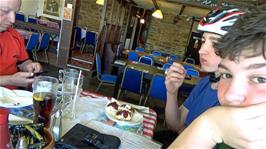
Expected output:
(248, 32)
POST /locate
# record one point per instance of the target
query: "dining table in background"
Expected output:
(148, 70)
(159, 60)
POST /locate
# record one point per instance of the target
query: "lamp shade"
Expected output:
(157, 14)
(100, 2)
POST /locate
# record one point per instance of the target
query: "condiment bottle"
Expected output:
(4, 131)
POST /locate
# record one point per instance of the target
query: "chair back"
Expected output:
(139, 49)
(98, 66)
(32, 19)
(193, 73)
(146, 60)
(132, 80)
(44, 42)
(190, 60)
(90, 38)
(133, 56)
(20, 16)
(166, 66)
(77, 34)
(33, 42)
(156, 53)
(188, 66)
(157, 88)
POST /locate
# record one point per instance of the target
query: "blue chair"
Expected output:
(157, 88)
(139, 49)
(190, 60)
(166, 66)
(78, 40)
(133, 56)
(32, 19)
(20, 16)
(32, 44)
(146, 60)
(90, 40)
(132, 81)
(156, 53)
(193, 73)
(106, 79)
(43, 46)
(188, 66)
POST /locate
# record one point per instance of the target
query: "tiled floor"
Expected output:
(91, 83)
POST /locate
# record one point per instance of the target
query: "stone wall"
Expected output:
(168, 36)
(164, 35)
(89, 15)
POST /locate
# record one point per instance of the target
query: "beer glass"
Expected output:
(44, 96)
(69, 78)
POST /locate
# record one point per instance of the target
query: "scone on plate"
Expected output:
(112, 108)
(126, 107)
(124, 115)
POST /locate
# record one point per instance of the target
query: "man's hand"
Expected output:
(33, 67)
(243, 127)
(174, 78)
(22, 79)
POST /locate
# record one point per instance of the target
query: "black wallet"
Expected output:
(81, 137)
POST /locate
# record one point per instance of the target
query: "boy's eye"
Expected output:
(259, 80)
(225, 76)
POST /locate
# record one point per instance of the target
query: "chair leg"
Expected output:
(140, 100)
(33, 56)
(36, 57)
(82, 49)
(118, 94)
(46, 57)
(145, 100)
(99, 86)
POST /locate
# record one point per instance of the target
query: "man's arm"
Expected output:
(18, 79)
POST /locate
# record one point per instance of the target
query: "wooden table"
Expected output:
(157, 59)
(148, 70)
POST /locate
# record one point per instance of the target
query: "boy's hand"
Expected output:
(174, 78)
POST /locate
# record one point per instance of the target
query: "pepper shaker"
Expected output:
(57, 125)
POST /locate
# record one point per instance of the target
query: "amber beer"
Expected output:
(43, 103)
(44, 96)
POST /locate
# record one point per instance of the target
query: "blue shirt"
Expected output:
(201, 98)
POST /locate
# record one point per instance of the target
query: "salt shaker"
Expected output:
(4, 131)
(57, 125)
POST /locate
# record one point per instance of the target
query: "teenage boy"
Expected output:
(241, 121)
(204, 94)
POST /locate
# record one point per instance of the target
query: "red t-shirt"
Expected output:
(12, 51)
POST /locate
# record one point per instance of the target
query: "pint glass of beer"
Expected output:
(44, 96)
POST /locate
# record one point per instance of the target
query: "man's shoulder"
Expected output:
(13, 31)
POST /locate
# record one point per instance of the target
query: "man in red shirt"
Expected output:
(15, 66)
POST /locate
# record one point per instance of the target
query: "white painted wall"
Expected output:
(29, 7)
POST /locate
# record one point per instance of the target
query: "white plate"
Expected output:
(137, 119)
(9, 97)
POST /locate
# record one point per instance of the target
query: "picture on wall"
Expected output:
(52, 8)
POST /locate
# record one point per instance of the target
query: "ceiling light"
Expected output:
(142, 21)
(100, 2)
(157, 14)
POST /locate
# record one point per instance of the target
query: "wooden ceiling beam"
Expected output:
(182, 2)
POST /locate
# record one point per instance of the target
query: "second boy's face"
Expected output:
(242, 82)
(208, 59)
